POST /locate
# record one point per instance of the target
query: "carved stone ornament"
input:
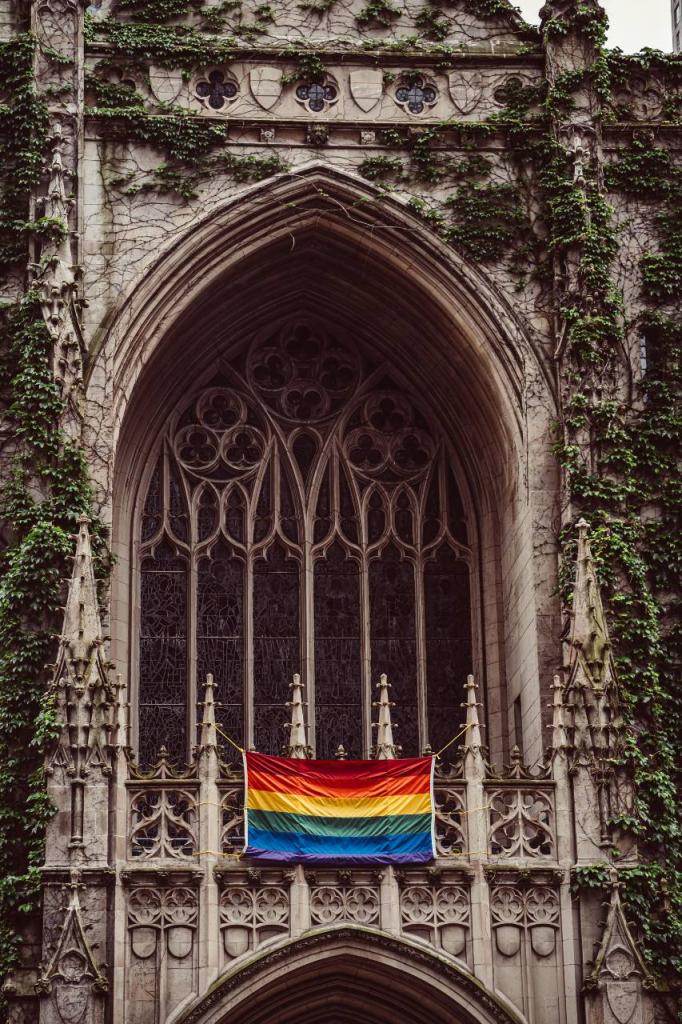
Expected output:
(266, 85)
(438, 914)
(165, 83)
(466, 90)
(251, 915)
(515, 910)
(622, 998)
(72, 974)
(619, 972)
(366, 87)
(317, 135)
(152, 912)
(358, 904)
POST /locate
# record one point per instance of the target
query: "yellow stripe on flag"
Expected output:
(338, 807)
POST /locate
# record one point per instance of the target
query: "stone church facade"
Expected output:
(319, 418)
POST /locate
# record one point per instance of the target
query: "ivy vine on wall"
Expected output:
(630, 492)
(45, 490)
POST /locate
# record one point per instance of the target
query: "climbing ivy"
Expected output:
(46, 489)
(630, 494)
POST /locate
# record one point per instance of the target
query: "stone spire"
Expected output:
(84, 692)
(590, 699)
(474, 763)
(385, 749)
(298, 740)
(472, 739)
(55, 275)
(209, 736)
(591, 688)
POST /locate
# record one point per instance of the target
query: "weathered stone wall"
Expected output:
(350, 147)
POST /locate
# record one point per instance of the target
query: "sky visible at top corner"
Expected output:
(633, 23)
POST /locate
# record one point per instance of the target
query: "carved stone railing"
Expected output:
(492, 893)
(163, 812)
(519, 815)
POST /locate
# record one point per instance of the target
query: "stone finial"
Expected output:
(208, 737)
(122, 717)
(558, 726)
(474, 763)
(385, 749)
(341, 754)
(472, 738)
(298, 741)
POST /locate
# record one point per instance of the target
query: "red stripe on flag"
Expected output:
(338, 778)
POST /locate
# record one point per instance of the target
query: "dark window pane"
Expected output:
(457, 522)
(235, 514)
(177, 512)
(403, 518)
(322, 516)
(305, 450)
(163, 725)
(220, 637)
(151, 516)
(276, 647)
(393, 639)
(261, 524)
(431, 521)
(376, 518)
(448, 642)
(163, 653)
(207, 515)
(288, 518)
(349, 519)
(338, 681)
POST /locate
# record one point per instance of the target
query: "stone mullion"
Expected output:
(307, 641)
(193, 683)
(420, 636)
(366, 666)
(248, 650)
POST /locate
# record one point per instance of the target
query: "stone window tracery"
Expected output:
(302, 515)
(416, 96)
(216, 90)
(317, 96)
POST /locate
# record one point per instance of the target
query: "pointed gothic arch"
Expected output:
(349, 975)
(324, 244)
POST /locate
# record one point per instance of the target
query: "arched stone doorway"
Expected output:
(349, 976)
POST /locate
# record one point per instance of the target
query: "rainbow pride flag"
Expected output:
(321, 812)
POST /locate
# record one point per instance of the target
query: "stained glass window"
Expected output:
(302, 515)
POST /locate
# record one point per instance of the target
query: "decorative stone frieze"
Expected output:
(435, 906)
(161, 959)
(525, 918)
(72, 983)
